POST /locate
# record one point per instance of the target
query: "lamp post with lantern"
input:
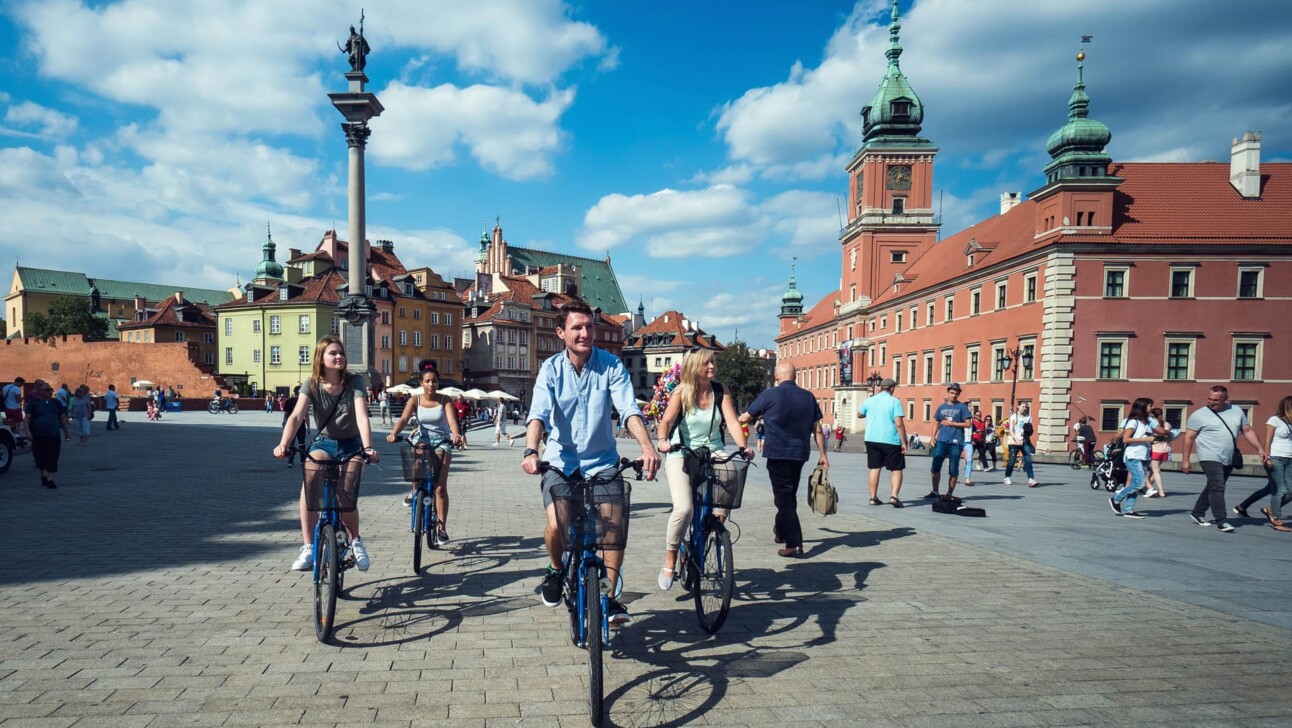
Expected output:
(1014, 357)
(873, 382)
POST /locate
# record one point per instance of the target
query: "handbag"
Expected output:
(1235, 460)
(822, 497)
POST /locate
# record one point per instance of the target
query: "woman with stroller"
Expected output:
(1137, 434)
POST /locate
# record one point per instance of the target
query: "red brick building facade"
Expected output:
(1121, 280)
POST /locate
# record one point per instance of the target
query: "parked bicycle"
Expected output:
(222, 404)
(705, 558)
(593, 515)
(422, 469)
(331, 488)
(1077, 457)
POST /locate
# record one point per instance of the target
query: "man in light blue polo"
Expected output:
(885, 440)
(573, 396)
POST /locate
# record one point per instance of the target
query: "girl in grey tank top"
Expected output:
(437, 429)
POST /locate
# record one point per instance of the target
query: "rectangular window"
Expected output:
(524, 362)
(1002, 290)
(179, 336)
(255, 326)
(1111, 361)
(1246, 360)
(275, 355)
(897, 369)
(403, 338)
(228, 327)
(385, 341)
(448, 319)
(915, 317)
(972, 374)
(417, 314)
(1115, 283)
(304, 323)
(947, 374)
(951, 309)
(975, 302)
(1182, 283)
(255, 356)
(899, 322)
(998, 370)
(524, 337)
(511, 362)
(335, 326)
(209, 358)
(1029, 289)
(1249, 283)
(1174, 415)
(883, 355)
(208, 338)
(928, 369)
(911, 371)
(303, 354)
(910, 410)
(928, 410)
(417, 338)
(1110, 417)
(403, 312)
(402, 364)
(228, 355)
(1179, 360)
(435, 318)
(275, 325)
(435, 341)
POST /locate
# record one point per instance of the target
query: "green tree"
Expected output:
(67, 315)
(742, 372)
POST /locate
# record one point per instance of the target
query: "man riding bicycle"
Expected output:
(573, 397)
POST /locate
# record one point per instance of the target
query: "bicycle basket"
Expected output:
(728, 487)
(346, 491)
(419, 463)
(607, 525)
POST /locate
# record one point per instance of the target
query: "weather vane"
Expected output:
(1081, 52)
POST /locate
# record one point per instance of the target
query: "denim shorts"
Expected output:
(949, 451)
(436, 443)
(337, 449)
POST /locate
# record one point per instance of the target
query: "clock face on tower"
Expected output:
(899, 177)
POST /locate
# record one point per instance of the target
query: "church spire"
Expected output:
(894, 115)
(269, 269)
(1077, 148)
(792, 299)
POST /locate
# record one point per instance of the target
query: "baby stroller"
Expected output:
(1110, 473)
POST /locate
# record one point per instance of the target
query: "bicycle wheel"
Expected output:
(1074, 459)
(592, 630)
(418, 527)
(325, 587)
(715, 578)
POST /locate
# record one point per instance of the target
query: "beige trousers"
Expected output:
(679, 487)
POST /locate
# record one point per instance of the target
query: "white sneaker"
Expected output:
(1031, 483)
(1151, 492)
(361, 560)
(511, 441)
(305, 559)
(494, 445)
(1008, 482)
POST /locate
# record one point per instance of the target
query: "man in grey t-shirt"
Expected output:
(1214, 431)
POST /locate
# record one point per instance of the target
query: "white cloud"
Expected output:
(506, 131)
(41, 121)
(712, 222)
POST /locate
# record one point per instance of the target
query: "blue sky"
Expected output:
(701, 144)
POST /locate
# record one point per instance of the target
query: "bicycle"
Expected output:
(593, 514)
(422, 468)
(1077, 457)
(215, 406)
(705, 558)
(330, 495)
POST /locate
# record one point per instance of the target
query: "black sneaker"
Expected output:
(1240, 510)
(1132, 514)
(552, 584)
(1198, 520)
(408, 499)
(1117, 507)
(48, 483)
(617, 614)
(933, 494)
(1225, 527)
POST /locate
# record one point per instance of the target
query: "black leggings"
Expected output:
(983, 448)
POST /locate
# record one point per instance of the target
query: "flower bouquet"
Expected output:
(663, 390)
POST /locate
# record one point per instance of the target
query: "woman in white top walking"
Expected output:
(438, 430)
(1137, 433)
(693, 419)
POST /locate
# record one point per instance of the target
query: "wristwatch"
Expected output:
(528, 451)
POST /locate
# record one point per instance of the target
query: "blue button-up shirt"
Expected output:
(575, 410)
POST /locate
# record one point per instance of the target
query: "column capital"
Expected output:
(356, 133)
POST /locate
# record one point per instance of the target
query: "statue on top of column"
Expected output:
(356, 47)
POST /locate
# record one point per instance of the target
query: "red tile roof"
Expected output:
(669, 324)
(319, 289)
(171, 313)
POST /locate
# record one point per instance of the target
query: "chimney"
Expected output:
(1009, 200)
(179, 297)
(293, 254)
(386, 246)
(1245, 165)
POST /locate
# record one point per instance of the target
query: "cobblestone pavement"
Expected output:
(152, 588)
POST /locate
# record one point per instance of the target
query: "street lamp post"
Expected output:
(873, 382)
(1013, 357)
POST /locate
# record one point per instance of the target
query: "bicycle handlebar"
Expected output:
(408, 438)
(717, 460)
(624, 464)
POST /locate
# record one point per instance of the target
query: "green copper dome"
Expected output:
(1077, 148)
(268, 268)
(484, 246)
(792, 299)
(895, 110)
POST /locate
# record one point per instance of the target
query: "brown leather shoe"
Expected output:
(787, 553)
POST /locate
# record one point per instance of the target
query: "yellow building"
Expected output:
(426, 325)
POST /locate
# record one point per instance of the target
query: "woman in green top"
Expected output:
(698, 423)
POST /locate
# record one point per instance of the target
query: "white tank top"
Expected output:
(433, 421)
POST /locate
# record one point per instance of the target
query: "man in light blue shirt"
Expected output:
(885, 440)
(573, 396)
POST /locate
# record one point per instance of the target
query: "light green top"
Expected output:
(699, 428)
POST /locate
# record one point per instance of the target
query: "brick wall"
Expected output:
(100, 363)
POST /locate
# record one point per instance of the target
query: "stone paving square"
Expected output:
(152, 589)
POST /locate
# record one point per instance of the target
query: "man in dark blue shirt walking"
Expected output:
(791, 419)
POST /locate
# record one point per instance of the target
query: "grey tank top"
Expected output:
(433, 421)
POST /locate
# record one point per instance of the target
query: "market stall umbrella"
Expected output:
(402, 389)
(499, 394)
(453, 392)
(143, 384)
(475, 394)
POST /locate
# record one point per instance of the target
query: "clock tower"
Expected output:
(890, 197)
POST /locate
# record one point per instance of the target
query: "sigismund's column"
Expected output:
(357, 106)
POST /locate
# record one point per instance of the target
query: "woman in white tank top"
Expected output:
(438, 430)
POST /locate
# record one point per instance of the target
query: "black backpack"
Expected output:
(955, 507)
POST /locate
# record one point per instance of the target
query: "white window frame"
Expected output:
(1002, 295)
(304, 322)
(1170, 281)
(275, 324)
(1124, 341)
(275, 355)
(1192, 343)
(303, 354)
(1260, 282)
(228, 327)
(973, 362)
(1126, 273)
(228, 355)
(1259, 373)
(949, 308)
(403, 337)
(255, 356)
(1031, 287)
